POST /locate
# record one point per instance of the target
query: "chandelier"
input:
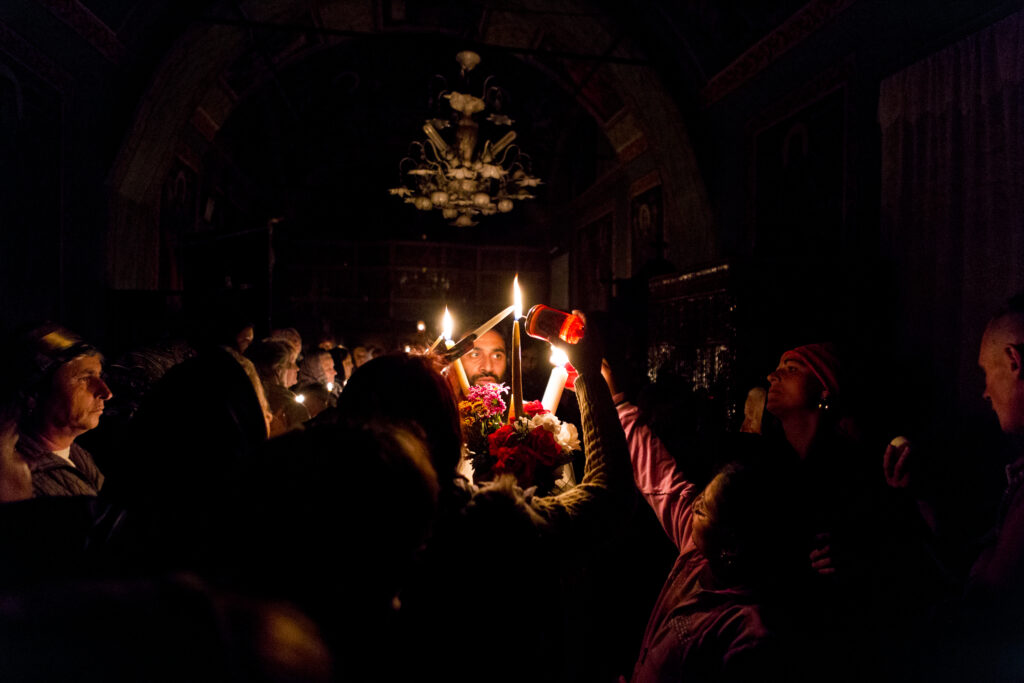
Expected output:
(457, 176)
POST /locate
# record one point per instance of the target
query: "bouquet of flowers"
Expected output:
(481, 414)
(533, 447)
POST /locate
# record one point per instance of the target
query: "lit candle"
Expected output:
(448, 325)
(556, 382)
(517, 354)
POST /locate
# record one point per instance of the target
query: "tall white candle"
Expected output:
(556, 381)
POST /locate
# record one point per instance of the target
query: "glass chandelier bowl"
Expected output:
(456, 175)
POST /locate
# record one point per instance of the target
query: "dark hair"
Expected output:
(408, 388)
(341, 558)
(222, 428)
(504, 330)
(754, 540)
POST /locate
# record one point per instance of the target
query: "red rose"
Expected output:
(534, 408)
(543, 444)
(517, 460)
(505, 436)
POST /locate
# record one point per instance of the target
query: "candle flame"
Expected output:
(300, 398)
(421, 326)
(558, 356)
(330, 386)
(517, 298)
(447, 325)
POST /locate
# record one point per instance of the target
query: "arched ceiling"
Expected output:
(310, 106)
(323, 136)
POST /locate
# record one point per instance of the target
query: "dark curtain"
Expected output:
(952, 197)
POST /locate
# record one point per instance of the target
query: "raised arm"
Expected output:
(658, 477)
(604, 497)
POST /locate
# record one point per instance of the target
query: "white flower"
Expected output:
(568, 438)
(522, 425)
(546, 420)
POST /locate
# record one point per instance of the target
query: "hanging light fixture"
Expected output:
(457, 176)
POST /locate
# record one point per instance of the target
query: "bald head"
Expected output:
(1006, 328)
(1000, 358)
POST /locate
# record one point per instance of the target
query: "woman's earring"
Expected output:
(727, 558)
(824, 404)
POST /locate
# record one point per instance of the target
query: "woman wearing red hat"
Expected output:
(804, 394)
(855, 532)
(833, 487)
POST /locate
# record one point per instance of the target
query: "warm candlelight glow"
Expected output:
(516, 409)
(558, 356)
(447, 325)
(517, 298)
(330, 386)
(300, 398)
(557, 379)
(421, 326)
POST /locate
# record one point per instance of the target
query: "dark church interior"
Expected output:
(715, 185)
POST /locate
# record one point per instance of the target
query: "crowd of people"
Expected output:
(253, 508)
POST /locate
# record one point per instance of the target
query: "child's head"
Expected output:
(742, 520)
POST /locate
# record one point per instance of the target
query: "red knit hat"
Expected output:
(820, 359)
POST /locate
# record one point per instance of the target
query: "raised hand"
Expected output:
(897, 463)
(585, 356)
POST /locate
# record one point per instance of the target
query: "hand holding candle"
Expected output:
(448, 325)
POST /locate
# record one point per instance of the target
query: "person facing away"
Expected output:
(492, 569)
(60, 379)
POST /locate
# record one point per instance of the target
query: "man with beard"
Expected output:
(487, 361)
